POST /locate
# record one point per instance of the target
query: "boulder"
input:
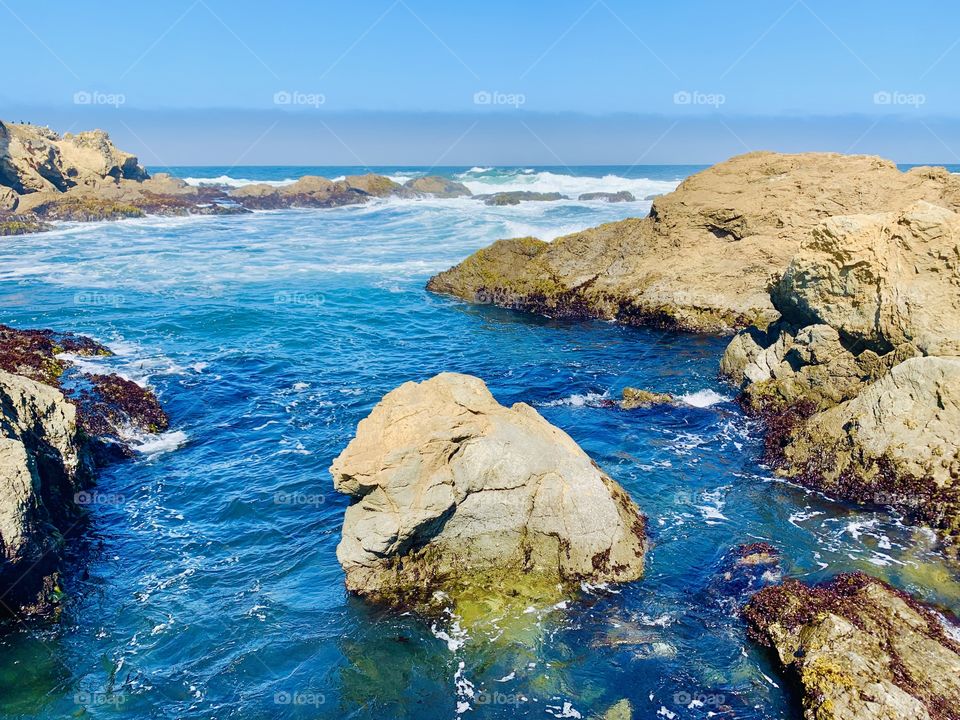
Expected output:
(622, 196)
(308, 191)
(634, 398)
(41, 468)
(515, 197)
(860, 649)
(438, 186)
(377, 186)
(704, 258)
(9, 198)
(452, 490)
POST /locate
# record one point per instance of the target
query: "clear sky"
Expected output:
(424, 81)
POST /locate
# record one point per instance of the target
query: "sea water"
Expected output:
(207, 586)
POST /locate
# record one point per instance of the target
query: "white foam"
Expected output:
(236, 182)
(579, 400)
(570, 185)
(704, 398)
(156, 444)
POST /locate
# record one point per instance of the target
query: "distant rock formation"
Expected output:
(437, 186)
(515, 197)
(452, 491)
(860, 649)
(704, 257)
(622, 196)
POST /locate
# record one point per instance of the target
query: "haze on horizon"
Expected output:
(401, 82)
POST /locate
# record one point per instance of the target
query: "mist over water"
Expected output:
(207, 583)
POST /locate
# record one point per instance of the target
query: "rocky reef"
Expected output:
(56, 425)
(704, 257)
(859, 381)
(455, 493)
(860, 649)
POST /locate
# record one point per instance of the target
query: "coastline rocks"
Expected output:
(634, 398)
(858, 383)
(515, 197)
(308, 191)
(704, 257)
(622, 196)
(438, 186)
(860, 649)
(453, 491)
(41, 468)
(377, 186)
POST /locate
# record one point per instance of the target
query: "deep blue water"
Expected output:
(209, 587)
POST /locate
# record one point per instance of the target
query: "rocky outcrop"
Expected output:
(860, 380)
(634, 398)
(41, 468)
(860, 650)
(452, 490)
(704, 258)
(308, 191)
(56, 424)
(622, 196)
(515, 197)
(437, 186)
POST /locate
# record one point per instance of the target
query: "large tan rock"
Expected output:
(452, 489)
(41, 467)
(438, 186)
(36, 159)
(704, 257)
(860, 649)
(882, 280)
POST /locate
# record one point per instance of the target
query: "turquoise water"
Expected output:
(209, 588)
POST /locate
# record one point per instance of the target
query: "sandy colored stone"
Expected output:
(451, 488)
(634, 398)
(704, 258)
(438, 186)
(860, 649)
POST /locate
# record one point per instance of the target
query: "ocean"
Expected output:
(207, 586)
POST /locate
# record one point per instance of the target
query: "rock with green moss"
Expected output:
(456, 493)
(86, 208)
(860, 649)
(704, 258)
(21, 225)
(634, 398)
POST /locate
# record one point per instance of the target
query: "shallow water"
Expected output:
(208, 585)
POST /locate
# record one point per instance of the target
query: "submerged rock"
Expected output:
(859, 381)
(515, 197)
(454, 492)
(634, 398)
(622, 196)
(704, 257)
(860, 649)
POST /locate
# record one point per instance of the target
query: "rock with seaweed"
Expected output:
(703, 258)
(515, 197)
(453, 492)
(56, 425)
(859, 649)
(859, 382)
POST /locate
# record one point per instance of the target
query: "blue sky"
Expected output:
(561, 83)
